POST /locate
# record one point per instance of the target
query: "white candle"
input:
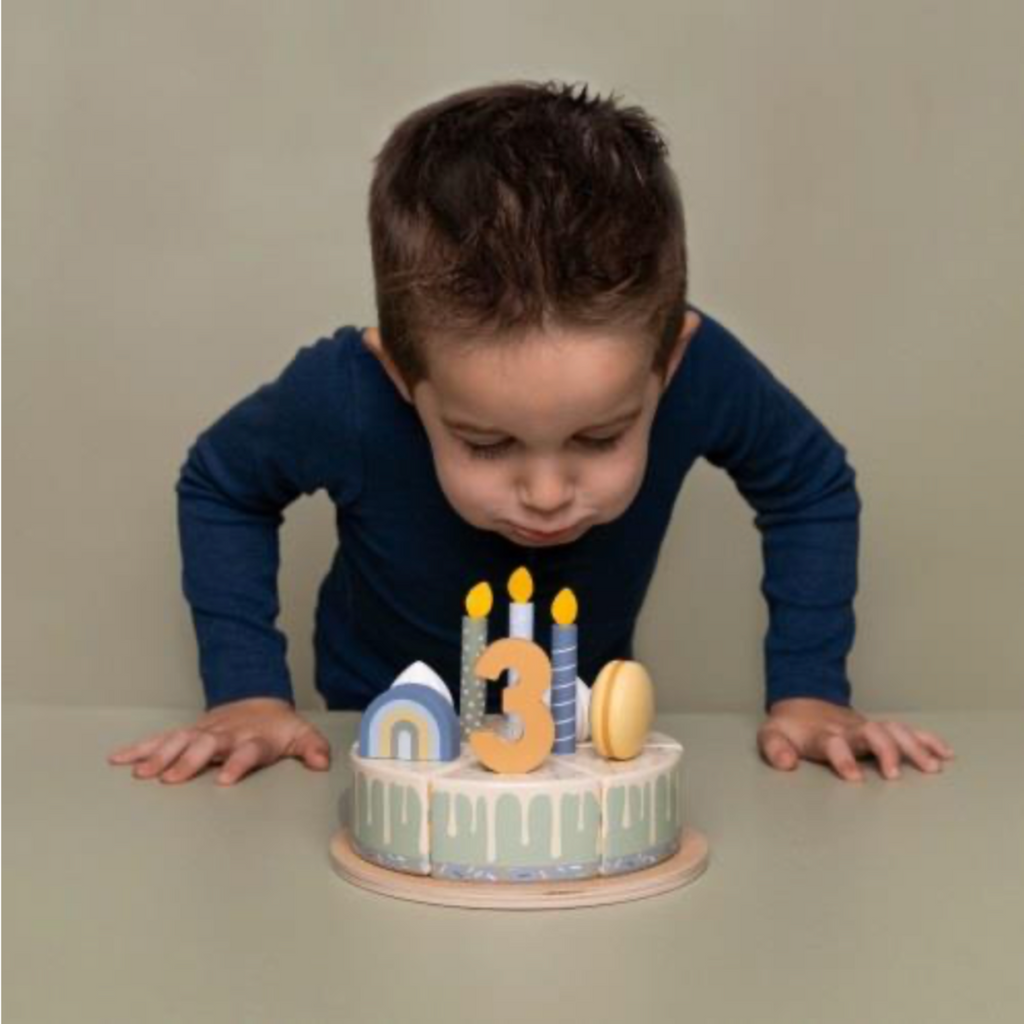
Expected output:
(520, 626)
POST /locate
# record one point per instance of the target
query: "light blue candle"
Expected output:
(520, 626)
(564, 647)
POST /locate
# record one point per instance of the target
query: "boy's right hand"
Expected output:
(243, 735)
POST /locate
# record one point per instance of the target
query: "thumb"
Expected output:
(777, 749)
(313, 749)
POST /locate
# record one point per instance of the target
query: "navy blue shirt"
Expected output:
(396, 587)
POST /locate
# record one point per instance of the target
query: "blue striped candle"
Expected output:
(564, 644)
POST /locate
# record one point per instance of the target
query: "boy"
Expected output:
(535, 394)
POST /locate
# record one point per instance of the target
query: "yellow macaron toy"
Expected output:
(621, 709)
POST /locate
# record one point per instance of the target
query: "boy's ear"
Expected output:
(372, 340)
(690, 324)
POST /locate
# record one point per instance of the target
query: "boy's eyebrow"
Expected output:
(618, 421)
(475, 428)
(472, 428)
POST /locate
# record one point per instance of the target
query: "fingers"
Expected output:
(242, 736)
(167, 750)
(891, 742)
(174, 756)
(839, 754)
(136, 751)
(840, 740)
(913, 748)
(313, 750)
(204, 748)
(248, 755)
(884, 747)
(777, 750)
(938, 746)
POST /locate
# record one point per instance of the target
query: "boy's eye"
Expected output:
(495, 450)
(599, 444)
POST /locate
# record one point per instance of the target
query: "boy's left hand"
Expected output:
(816, 730)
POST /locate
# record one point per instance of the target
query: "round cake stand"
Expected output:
(678, 870)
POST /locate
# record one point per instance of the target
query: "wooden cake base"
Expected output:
(686, 865)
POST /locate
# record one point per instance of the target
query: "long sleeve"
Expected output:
(290, 437)
(796, 477)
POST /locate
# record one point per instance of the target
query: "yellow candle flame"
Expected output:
(564, 607)
(479, 601)
(520, 585)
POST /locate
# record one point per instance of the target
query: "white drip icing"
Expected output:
(424, 845)
(626, 819)
(491, 799)
(524, 822)
(453, 825)
(556, 826)
(652, 817)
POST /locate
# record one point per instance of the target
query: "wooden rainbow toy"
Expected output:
(410, 722)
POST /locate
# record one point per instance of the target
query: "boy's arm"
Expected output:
(288, 438)
(796, 477)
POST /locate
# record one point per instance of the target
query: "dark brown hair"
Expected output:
(519, 206)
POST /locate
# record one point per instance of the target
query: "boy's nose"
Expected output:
(546, 491)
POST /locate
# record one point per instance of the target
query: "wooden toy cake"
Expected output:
(555, 802)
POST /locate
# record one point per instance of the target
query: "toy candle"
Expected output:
(520, 611)
(563, 661)
(472, 689)
(520, 627)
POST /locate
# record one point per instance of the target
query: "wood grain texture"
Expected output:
(679, 870)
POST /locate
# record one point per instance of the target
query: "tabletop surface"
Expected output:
(824, 900)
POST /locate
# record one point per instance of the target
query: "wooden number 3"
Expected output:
(526, 699)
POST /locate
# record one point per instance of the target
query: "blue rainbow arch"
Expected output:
(411, 722)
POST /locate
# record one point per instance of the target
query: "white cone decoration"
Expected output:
(582, 709)
(421, 673)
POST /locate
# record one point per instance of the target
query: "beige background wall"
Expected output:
(184, 207)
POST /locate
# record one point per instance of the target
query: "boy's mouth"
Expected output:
(546, 536)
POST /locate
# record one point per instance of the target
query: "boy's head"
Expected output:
(530, 267)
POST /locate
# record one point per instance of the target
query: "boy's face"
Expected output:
(542, 438)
